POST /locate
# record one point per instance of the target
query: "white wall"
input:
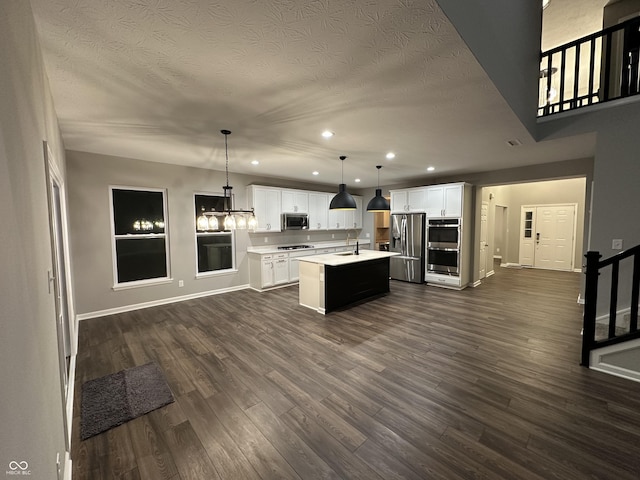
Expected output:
(30, 393)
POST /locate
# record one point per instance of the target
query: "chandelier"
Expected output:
(234, 219)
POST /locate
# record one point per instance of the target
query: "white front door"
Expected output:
(547, 236)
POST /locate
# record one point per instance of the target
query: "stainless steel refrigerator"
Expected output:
(407, 239)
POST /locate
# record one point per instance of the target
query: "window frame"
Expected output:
(197, 234)
(114, 238)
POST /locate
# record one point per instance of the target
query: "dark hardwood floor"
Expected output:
(424, 383)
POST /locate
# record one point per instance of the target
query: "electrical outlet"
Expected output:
(181, 283)
(498, 250)
(266, 239)
(308, 237)
(333, 235)
(368, 235)
(616, 244)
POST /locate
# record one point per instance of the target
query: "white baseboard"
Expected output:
(156, 303)
(511, 265)
(596, 360)
(580, 299)
(577, 270)
(492, 272)
(475, 284)
(497, 257)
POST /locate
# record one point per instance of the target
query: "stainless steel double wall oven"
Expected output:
(443, 246)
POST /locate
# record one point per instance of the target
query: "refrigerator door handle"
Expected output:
(403, 235)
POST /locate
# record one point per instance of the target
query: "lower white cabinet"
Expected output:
(274, 270)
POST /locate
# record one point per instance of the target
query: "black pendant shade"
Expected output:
(378, 203)
(343, 200)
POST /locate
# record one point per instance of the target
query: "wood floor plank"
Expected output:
(224, 452)
(423, 382)
(254, 445)
(307, 464)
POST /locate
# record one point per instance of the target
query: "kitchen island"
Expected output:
(334, 280)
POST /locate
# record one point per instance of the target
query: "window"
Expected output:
(528, 224)
(139, 240)
(215, 247)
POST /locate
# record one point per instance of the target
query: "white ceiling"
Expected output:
(157, 80)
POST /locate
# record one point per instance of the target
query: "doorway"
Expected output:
(547, 236)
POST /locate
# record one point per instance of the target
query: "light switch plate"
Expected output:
(616, 244)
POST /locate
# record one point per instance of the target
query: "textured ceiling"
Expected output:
(157, 80)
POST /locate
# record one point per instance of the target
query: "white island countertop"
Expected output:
(345, 258)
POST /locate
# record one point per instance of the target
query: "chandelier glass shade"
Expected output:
(235, 219)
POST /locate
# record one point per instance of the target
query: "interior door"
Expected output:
(484, 210)
(554, 237)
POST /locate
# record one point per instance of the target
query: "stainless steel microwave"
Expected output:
(295, 221)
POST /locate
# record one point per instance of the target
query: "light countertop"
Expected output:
(336, 259)
(268, 249)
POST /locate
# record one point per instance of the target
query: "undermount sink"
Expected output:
(344, 253)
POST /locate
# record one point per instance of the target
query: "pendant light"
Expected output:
(378, 203)
(343, 200)
(234, 219)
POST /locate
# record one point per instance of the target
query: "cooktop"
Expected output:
(294, 247)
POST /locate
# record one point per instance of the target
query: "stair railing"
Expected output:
(594, 266)
(593, 69)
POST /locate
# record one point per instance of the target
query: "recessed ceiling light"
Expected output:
(357, 180)
(430, 169)
(327, 134)
(391, 156)
(255, 162)
(514, 143)
(316, 173)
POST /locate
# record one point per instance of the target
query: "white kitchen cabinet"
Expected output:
(408, 200)
(444, 200)
(346, 219)
(266, 202)
(281, 271)
(336, 219)
(274, 270)
(318, 210)
(295, 201)
(353, 218)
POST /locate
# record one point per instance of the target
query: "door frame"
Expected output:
(60, 252)
(525, 208)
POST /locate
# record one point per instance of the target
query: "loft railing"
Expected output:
(597, 68)
(612, 334)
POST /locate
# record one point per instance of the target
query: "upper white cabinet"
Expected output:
(353, 218)
(346, 219)
(270, 202)
(266, 202)
(408, 200)
(444, 200)
(295, 201)
(318, 210)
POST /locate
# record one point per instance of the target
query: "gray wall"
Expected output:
(505, 38)
(90, 176)
(30, 401)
